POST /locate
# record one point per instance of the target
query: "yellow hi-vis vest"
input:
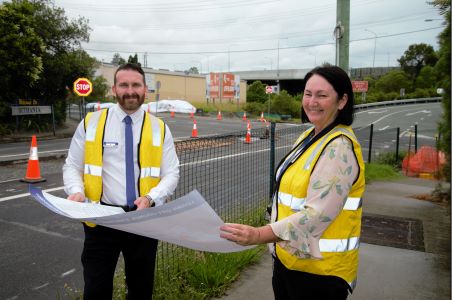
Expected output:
(339, 243)
(149, 153)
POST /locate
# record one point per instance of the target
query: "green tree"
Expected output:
(193, 70)
(21, 50)
(62, 58)
(443, 68)
(133, 59)
(427, 78)
(416, 57)
(284, 104)
(117, 59)
(392, 82)
(256, 92)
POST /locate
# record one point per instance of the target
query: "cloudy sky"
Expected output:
(240, 35)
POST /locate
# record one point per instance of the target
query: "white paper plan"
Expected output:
(188, 221)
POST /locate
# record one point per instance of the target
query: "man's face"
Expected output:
(130, 90)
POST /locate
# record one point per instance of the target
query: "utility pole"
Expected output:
(342, 33)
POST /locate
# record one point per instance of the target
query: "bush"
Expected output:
(255, 108)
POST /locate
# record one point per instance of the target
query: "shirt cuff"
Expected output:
(157, 200)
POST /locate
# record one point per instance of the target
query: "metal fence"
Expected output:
(234, 176)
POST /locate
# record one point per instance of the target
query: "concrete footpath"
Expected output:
(386, 272)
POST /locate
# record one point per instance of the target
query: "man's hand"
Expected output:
(77, 197)
(143, 202)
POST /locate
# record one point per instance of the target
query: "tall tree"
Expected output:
(416, 57)
(61, 56)
(133, 59)
(21, 50)
(117, 59)
(443, 68)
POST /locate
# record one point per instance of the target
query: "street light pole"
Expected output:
(375, 45)
(277, 65)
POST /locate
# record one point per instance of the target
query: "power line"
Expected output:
(262, 49)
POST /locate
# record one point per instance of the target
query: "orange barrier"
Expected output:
(426, 161)
(33, 174)
(194, 132)
(219, 115)
(244, 116)
(248, 133)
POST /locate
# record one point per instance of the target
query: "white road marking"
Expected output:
(384, 128)
(39, 152)
(67, 273)
(41, 286)
(418, 112)
(28, 194)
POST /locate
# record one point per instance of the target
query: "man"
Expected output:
(125, 157)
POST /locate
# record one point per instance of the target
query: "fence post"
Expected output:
(370, 142)
(272, 156)
(415, 138)
(397, 146)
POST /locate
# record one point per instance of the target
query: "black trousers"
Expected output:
(99, 258)
(291, 285)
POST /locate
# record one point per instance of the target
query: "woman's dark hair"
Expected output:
(342, 85)
(129, 66)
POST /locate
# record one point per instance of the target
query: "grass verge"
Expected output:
(380, 172)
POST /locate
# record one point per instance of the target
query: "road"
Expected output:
(41, 251)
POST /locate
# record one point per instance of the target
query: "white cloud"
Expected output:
(221, 34)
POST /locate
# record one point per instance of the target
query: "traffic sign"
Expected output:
(268, 89)
(83, 87)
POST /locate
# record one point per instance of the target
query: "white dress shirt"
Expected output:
(113, 169)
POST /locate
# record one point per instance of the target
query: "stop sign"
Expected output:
(83, 87)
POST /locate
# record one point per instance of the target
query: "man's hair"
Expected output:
(342, 85)
(130, 66)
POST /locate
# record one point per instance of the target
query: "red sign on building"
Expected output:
(214, 85)
(228, 86)
(360, 86)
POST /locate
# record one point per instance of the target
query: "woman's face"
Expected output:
(321, 103)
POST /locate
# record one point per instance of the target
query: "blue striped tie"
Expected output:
(130, 173)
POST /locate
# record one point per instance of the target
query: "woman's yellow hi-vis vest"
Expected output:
(149, 153)
(340, 241)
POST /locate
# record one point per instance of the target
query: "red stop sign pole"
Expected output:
(83, 87)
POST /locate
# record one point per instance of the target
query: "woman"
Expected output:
(316, 215)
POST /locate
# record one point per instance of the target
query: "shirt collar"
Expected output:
(137, 116)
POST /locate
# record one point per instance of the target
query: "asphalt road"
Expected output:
(41, 251)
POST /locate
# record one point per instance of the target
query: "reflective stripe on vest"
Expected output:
(91, 129)
(93, 170)
(156, 136)
(296, 204)
(338, 245)
(150, 172)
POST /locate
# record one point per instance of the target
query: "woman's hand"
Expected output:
(241, 234)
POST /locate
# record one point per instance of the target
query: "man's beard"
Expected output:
(127, 105)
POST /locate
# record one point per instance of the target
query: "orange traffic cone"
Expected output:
(248, 133)
(194, 132)
(219, 115)
(244, 116)
(262, 117)
(149, 108)
(33, 174)
(172, 114)
(192, 115)
(98, 105)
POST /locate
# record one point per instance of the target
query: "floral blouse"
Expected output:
(329, 185)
